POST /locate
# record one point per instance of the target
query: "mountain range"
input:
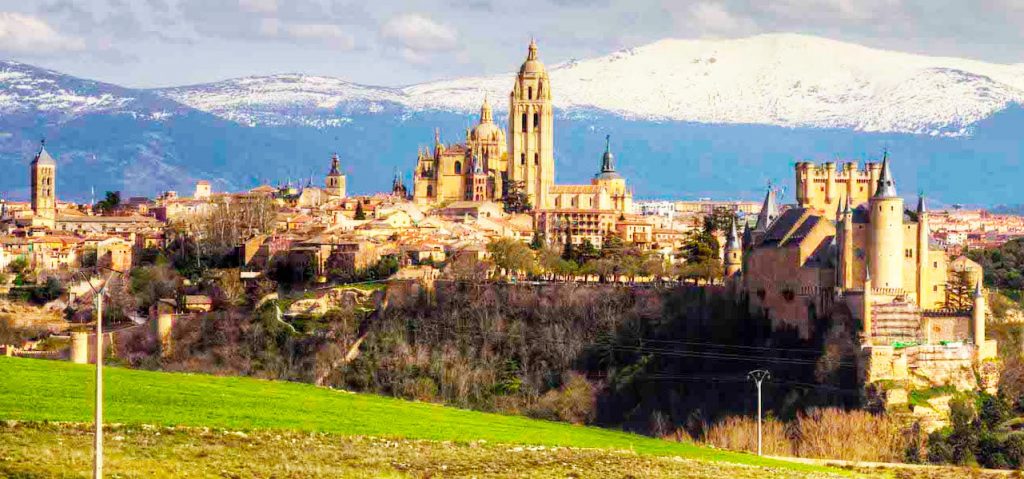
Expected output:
(688, 118)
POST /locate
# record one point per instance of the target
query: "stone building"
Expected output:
(473, 171)
(872, 263)
(335, 181)
(44, 189)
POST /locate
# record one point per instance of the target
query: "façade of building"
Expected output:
(870, 261)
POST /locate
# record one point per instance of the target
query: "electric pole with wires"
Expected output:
(758, 375)
(97, 471)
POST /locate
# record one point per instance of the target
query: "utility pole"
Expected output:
(97, 470)
(758, 375)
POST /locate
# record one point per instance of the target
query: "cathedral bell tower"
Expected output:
(530, 131)
(335, 181)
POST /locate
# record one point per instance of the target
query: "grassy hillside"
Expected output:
(35, 390)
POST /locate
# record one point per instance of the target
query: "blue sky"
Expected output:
(382, 42)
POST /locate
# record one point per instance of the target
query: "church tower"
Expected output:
(885, 234)
(622, 199)
(531, 138)
(335, 181)
(44, 194)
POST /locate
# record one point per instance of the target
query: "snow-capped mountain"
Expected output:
(26, 89)
(776, 79)
(688, 118)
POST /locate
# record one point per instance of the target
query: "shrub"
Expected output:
(849, 435)
(739, 433)
(574, 402)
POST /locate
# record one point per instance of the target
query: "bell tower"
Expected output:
(44, 195)
(530, 131)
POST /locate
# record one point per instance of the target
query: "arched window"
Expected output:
(524, 122)
(536, 121)
(430, 190)
(529, 93)
(536, 159)
(522, 159)
(458, 167)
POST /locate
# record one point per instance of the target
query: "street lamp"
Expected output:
(97, 471)
(758, 375)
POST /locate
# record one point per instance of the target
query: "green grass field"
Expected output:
(38, 390)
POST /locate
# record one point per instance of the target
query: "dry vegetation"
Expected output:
(178, 452)
(820, 433)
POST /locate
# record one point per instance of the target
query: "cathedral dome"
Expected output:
(532, 64)
(486, 129)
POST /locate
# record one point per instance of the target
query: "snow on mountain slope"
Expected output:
(776, 79)
(25, 89)
(283, 99)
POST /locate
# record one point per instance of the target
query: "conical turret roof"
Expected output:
(769, 211)
(886, 187)
(43, 157)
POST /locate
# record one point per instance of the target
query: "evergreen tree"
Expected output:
(360, 214)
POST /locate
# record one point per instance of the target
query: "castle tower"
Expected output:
(978, 316)
(531, 138)
(335, 180)
(922, 252)
(44, 193)
(866, 319)
(846, 247)
(614, 183)
(733, 253)
(885, 234)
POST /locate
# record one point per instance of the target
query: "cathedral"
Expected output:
(494, 159)
(850, 249)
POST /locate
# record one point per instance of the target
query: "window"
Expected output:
(540, 88)
(430, 190)
(536, 159)
(909, 253)
(458, 167)
(529, 93)
(522, 159)
(536, 121)
(524, 123)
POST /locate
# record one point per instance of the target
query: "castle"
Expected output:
(850, 250)
(492, 161)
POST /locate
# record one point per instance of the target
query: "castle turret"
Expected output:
(922, 252)
(978, 316)
(866, 313)
(622, 199)
(846, 247)
(885, 234)
(733, 252)
(530, 130)
(765, 217)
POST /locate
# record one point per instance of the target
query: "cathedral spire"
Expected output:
(532, 55)
(607, 160)
(335, 166)
(733, 242)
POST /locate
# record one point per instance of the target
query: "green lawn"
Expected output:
(39, 390)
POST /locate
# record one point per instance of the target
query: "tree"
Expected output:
(512, 256)
(516, 200)
(538, 241)
(960, 291)
(109, 203)
(360, 214)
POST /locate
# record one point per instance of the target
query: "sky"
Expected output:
(152, 43)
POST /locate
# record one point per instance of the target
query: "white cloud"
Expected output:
(332, 35)
(21, 33)
(258, 6)
(419, 34)
(325, 33)
(715, 18)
